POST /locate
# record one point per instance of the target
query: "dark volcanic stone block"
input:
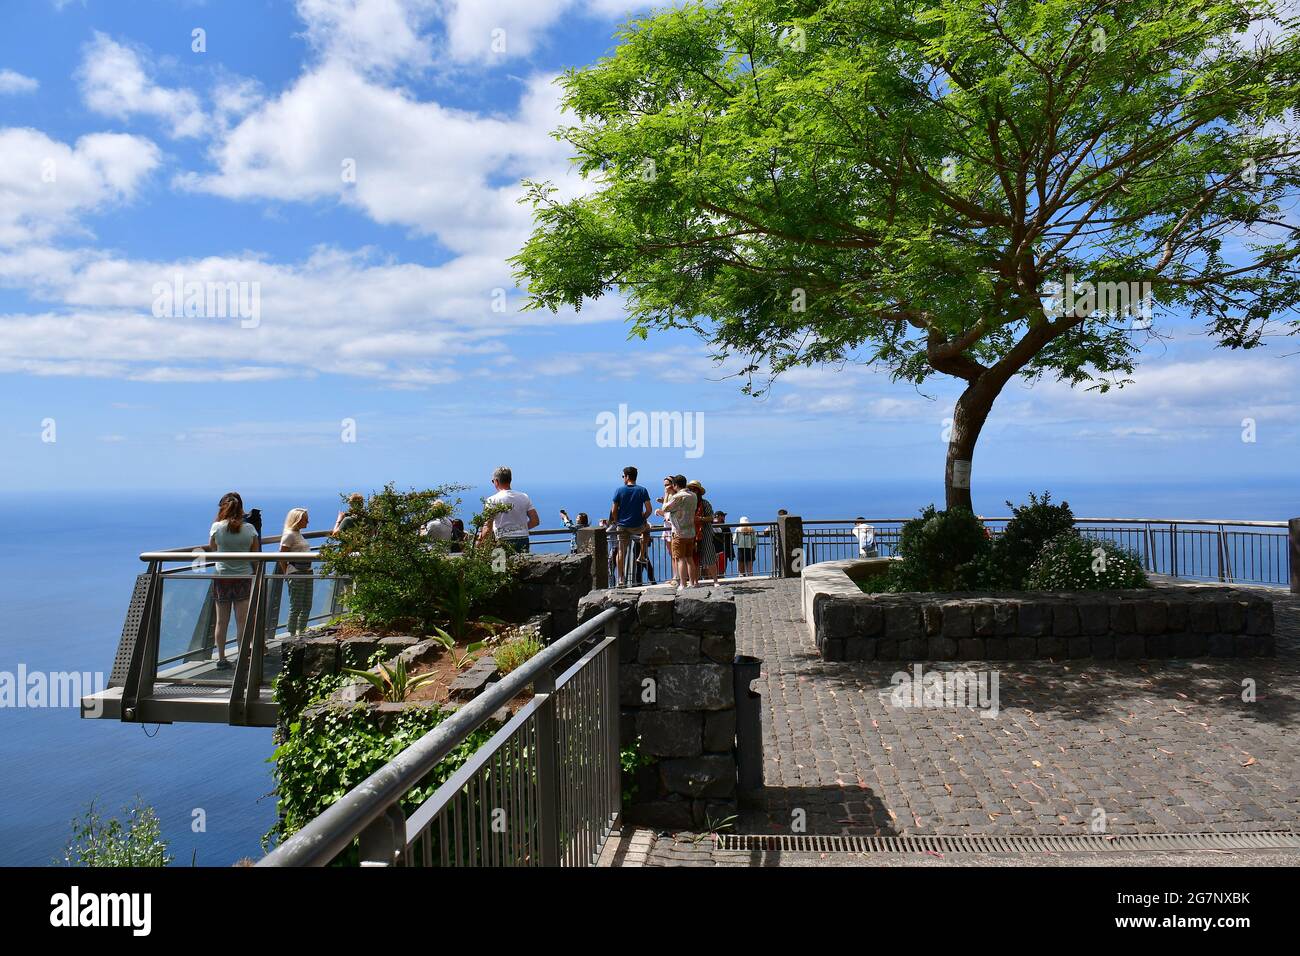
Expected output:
(716, 613)
(859, 648)
(720, 731)
(1259, 617)
(903, 621)
(982, 619)
(1246, 645)
(1130, 646)
(932, 619)
(719, 648)
(971, 648)
(1080, 646)
(655, 610)
(1187, 644)
(914, 649)
(668, 647)
(1202, 617)
(886, 649)
(957, 620)
(835, 649)
(1176, 614)
(995, 649)
(1103, 646)
(706, 776)
(1055, 648)
(1035, 620)
(1022, 648)
(1150, 616)
(696, 687)
(1094, 617)
(1005, 618)
(1158, 645)
(1232, 616)
(668, 733)
(1065, 620)
(870, 619)
(1221, 645)
(942, 648)
(1122, 618)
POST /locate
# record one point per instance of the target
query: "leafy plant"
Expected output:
(1031, 526)
(322, 759)
(513, 653)
(940, 551)
(1072, 562)
(136, 842)
(632, 761)
(396, 684)
(401, 579)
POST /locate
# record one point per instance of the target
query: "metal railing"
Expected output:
(543, 791)
(177, 645)
(764, 562)
(1230, 551)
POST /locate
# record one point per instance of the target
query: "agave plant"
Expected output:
(395, 684)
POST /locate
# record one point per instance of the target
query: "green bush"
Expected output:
(514, 653)
(940, 551)
(99, 842)
(1072, 562)
(401, 579)
(1031, 526)
(323, 759)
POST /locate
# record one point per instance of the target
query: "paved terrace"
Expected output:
(1160, 746)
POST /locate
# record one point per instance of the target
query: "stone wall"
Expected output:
(677, 695)
(551, 583)
(1159, 622)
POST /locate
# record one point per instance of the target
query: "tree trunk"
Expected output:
(968, 417)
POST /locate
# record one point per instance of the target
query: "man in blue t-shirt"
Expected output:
(629, 517)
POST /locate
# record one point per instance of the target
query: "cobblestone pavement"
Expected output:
(1158, 746)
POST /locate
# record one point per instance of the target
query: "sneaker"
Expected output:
(223, 665)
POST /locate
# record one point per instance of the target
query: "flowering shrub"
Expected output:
(940, 551)
(1071, 562)
(1031, 526)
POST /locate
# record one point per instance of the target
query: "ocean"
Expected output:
(67, 564)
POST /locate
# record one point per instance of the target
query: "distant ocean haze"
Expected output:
(69, 562)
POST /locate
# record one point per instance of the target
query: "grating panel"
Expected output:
(130, 632)
(1089, 843)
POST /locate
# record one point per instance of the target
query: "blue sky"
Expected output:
(385, 300)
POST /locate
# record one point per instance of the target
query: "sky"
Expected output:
(357, 165)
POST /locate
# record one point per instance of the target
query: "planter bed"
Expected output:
(1164, 621)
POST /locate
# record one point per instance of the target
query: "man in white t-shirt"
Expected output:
(866, 535)
(511, 526)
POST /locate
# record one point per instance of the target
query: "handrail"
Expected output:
(1234, 523)
(329, 834)
(210, 556)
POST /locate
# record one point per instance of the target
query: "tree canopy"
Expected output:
(916, 182)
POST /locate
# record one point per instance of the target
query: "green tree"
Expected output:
(919, 183)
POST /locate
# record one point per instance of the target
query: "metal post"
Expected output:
(612, 723)
(383, 842)
(1173, 549)
(1293, 534)
(143, 668)
(548, 777)
(749, 723)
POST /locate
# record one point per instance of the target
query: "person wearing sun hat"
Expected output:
(746, 541)
(706, 554)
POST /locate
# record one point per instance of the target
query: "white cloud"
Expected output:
(379, 35)
(115, 84)
(492, 32)
(418, 164)
(45, 184)
(14, 82)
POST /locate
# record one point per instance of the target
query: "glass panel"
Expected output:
(187, 645)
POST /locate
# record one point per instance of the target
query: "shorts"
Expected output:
(745, 555)
(632, 532)
(516, 544)
(232, 590)
(683, 547)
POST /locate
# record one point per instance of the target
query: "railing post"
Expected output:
(595, 541)
(789, 538)
(383, 842)
(143, 668)
(1293, 536)
(612, 724)
(1173, 549)
(548, 777)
